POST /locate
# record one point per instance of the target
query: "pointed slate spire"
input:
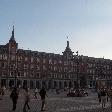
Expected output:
(12, 39)
(67, 42)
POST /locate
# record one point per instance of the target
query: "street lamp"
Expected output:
(78, 84)
(16, 69)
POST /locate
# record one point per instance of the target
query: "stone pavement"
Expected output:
(56, 103)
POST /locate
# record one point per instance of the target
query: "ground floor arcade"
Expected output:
(37, 83)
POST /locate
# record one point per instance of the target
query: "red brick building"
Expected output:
(36, 69)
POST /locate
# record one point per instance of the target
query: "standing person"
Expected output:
(26, 100)
(103, 97)
(99, 95)
(14, 97)
(43, 94)
(35, 94)
(110, 95)
(3, 90)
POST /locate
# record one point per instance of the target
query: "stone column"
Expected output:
(57, 84)
(40, 83)
(34, 83)
(21, 82)
(0, 81)
(28, 83)
(62, 84)
(46, 83)
(67, 83)
(7, 83)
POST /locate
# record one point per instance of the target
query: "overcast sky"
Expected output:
(43, 25)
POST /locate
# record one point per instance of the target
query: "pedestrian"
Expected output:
(26, 100)
(110, 95)
(99, 95)
(103, 97)
(3, 90)
(43, 94)
(14, 97)
(35, 92)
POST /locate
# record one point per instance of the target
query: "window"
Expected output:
(32, 59)
(38, 60)
(107, 67)
(50, 61)
(12, 58)
(4, 73)
(44, 60)
(12, 65)
(25, 74)
(3, 65)
(19, 58)
(65, 69)
(60, 61)
(12, 73)
(50, 75)
(65, 62)
(25, 66)
(19, 74)
(37, 67)
(4, 56)
(61, 76)
(38, 75)
(55, 75)
(32, 74)
(50, 67)
(44, 67)
(32, 66)
(71, 63)
(55, 62)
(60, 69)
(26, 58)
(0, 56)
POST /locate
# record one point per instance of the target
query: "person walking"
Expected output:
(110, 96)
(3, 90)
(26, 100)
(42, 95)
(14, 97)
(99, 95)
(35, 93)
(103, 97)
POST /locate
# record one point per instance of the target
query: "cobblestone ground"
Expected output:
(56, 103)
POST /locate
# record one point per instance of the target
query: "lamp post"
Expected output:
(99, 73)
(77, 70)
(16, 69)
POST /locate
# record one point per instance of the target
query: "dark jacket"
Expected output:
(42, 93)
(14, 95)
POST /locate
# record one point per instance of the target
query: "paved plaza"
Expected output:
(56, 103)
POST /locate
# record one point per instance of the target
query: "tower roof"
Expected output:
(12, 39)
(67, 50)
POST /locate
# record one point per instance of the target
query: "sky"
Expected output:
(43, 25)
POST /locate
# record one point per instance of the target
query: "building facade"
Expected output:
(35, 69)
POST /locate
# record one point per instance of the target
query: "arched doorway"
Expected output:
(70, 84)
(49, 84)
(65, 84)
(60, 84)
(3, 82)
(31, 84)
(11, 83)
(38, 84)
(24, 84)
(55, 84)
(18, 83)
